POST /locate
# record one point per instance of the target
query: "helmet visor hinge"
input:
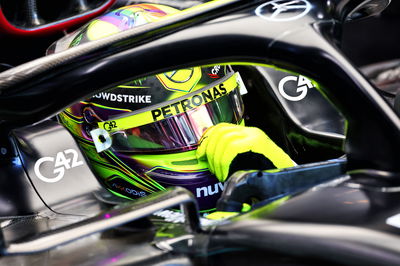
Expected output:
(101, 139)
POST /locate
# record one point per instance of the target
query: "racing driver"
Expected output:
(180, 128)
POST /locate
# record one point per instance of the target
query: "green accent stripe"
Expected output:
(76, 119)
(129, 180)
(129, 170)
(150, 186)
(82, 140)
(209, 210)
(132, 174)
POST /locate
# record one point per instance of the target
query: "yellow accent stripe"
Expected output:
(133, 87)
(221, 215)
(69, 114)
(173, 108)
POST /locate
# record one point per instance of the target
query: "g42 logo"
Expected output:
(64, 160)
(302, 85)
(109, 125)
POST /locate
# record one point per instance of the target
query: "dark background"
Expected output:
(373, 39)
(365, 41)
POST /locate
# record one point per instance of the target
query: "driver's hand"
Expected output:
(251, 147)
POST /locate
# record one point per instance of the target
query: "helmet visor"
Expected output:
(177, 125)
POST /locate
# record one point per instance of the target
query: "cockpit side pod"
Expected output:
(55, 168)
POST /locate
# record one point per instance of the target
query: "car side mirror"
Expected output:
(358, 9)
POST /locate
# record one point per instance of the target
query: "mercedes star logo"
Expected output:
(283, 10)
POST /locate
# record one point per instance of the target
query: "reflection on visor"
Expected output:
(181, 132)
(178, 130)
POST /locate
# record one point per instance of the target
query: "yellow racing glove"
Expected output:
(222, 143)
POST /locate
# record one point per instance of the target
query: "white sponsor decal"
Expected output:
(215, 69)
(302, 85)
(63, 161)
(394, 220)
(283, 10)
(176, 217)
(129, 190)
(209, 190)
(112, 97)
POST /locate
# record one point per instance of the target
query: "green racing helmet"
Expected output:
(141, 136)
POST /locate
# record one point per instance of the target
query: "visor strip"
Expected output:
(178, 106)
